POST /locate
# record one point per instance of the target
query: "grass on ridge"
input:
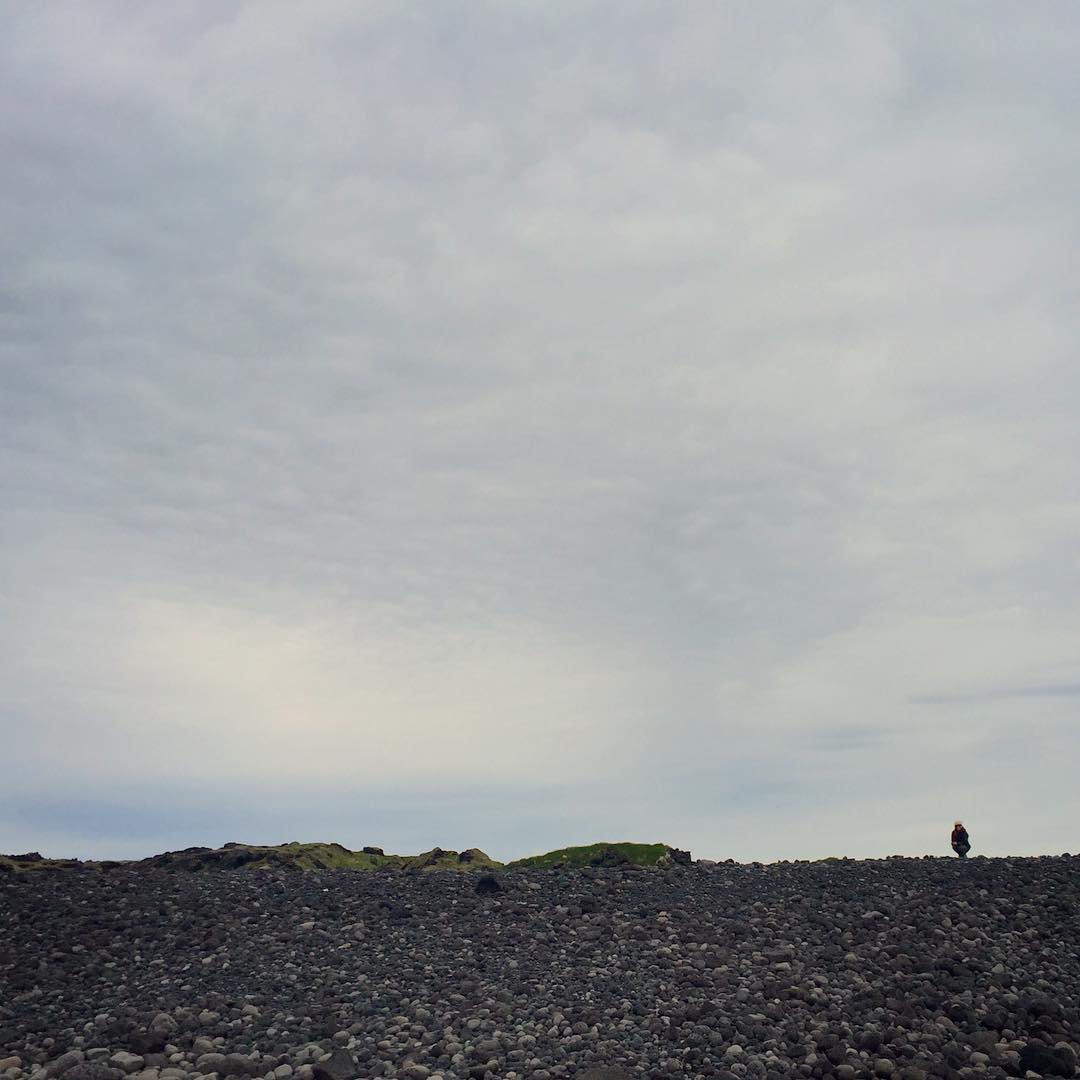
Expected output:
(585, 855)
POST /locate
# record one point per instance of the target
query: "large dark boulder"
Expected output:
(64, 1063)
(390, 909)
(488, 885)
(341, 1066)
(610, 858)
(93, 1070)
(1048, 1060)
(147, 1042)
(234, 858)
(239, 1065)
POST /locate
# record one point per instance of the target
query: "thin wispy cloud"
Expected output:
(1004, 693)
(513, 426)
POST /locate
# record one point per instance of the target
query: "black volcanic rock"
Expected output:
(899, 969)
(610, 857)
(147, 1042)
(93, 1070)
(488, 884)
(1048, 1060)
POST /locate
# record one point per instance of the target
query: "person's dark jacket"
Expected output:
(961, 844)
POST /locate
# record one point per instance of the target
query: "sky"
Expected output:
(518, 425)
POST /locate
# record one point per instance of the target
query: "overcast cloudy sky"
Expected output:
(523, 424)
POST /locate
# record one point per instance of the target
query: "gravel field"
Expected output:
(905, 968)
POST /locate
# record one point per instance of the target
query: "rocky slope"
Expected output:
(297, 856)
(321, 856)
(293, 856)
(604, 854)
(899, 968)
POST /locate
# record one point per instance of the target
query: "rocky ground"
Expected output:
(896, 968)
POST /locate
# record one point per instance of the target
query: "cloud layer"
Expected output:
(517, 426)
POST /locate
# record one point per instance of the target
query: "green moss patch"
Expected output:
(595, 855)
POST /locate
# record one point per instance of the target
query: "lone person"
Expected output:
(959, 840)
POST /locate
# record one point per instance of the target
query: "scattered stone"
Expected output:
(93, 1070)
(841, 970)
(163, 1023)
(127, 1062)
(341, 1065)
(64, 1063)
(239, 1065)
